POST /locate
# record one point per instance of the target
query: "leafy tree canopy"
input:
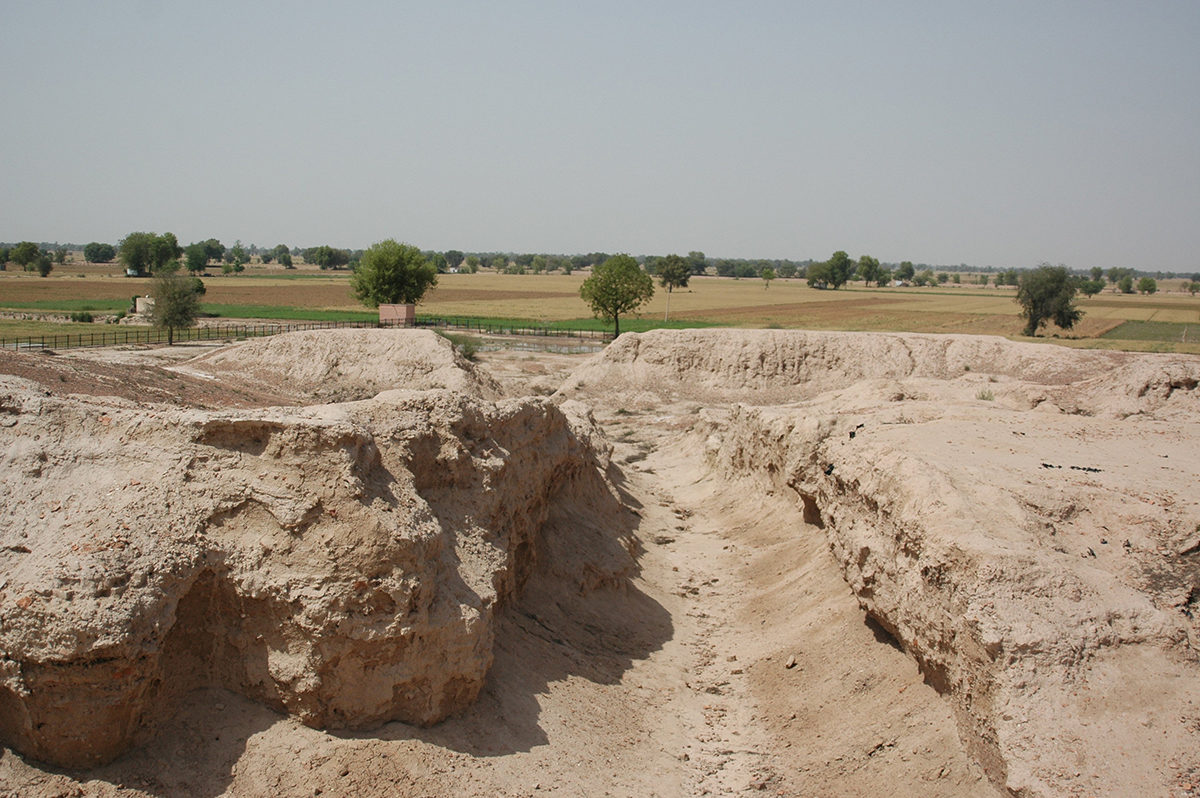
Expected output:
(673, 272)
(1047, 293)
(145, 253)
(869, 269)
(24, 253)
(176, 300)
(841, 268)
(196, 257)
(616, 286)
(392, 273)
(327, 257)
(96, 252)
(819, 275)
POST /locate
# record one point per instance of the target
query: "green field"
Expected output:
(1110, 320)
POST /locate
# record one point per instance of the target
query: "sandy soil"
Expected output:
(738, 661)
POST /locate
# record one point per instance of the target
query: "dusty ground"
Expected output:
(738, 661)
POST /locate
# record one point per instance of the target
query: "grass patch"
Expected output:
(285, 313)
(634, 325)
(65, 305)
(986, 395)
(1166, 331)
(467, 346)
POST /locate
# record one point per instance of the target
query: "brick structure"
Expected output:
(400, 315)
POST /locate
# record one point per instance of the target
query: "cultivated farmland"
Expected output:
(554, 298)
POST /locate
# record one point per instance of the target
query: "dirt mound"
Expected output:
(345, 365)
(778, 366)
(74, 373)
(342, 563)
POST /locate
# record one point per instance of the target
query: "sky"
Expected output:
(967, 131)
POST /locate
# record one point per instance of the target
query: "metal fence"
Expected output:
(115, 335)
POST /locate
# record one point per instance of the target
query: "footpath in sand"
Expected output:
(919, 565)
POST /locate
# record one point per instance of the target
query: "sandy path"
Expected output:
(788, 689)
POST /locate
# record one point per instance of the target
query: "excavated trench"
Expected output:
(1031, 552)
(976, 532)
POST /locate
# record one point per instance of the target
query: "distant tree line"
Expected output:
(145, 253)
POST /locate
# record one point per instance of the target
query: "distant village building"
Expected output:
(397, 315)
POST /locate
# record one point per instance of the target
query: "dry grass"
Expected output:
(555, 297)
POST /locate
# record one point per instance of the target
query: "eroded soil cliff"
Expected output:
(715, 562)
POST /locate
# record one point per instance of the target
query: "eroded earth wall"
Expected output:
(1022, 519)
(342, 563)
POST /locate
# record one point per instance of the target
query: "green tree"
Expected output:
(1125, 284)
(616, 286)
(392, 273)
(841, 269)
(60, 255)
(869, 270)
(1047, 293)
(97, 252)
(43, 264)
(787, 271)
(767, 275)
(285, 260)
(1091, 287)
(1116, 274)
(166, 249)
(454, 258)
(4, 253)
(237, 257)
(673, 272)
(1097, 273)
(176, 301)
(1147, 285)
(215, 249)
(144, 253)
(136, 251)
(24, 254)
(1192, 287)
(819, 275)
(196, 257)
(697, 262)
(905, 270)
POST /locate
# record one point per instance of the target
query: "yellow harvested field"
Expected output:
(555, 297)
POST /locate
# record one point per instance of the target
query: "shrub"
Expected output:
(466, 346)
(82, 316)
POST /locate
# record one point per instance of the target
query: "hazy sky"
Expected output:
(990, 133)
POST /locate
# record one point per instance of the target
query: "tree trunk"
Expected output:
(616, 326)
(667, 312)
